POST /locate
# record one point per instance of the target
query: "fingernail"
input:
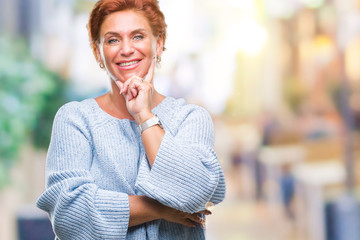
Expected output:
(203, 226)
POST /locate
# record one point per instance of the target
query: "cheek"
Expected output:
(145, 48)
(110, 52)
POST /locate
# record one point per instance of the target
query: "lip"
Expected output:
(132, 66)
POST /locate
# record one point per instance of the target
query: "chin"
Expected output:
(137, 73)
(123, 77)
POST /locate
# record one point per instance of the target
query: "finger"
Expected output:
(125, 86)
(134, 92)
(203, 224)
(133, 89)
(129, 94)
(195, 217)
(187, 222)
(119, 84)
(150, 74)
(206, 212)
(128, 82)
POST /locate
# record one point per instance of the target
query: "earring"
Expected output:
(101, 65)
(158, 59)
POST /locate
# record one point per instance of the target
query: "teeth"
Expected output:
(128, 63)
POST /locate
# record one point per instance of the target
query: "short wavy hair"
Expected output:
(149, 8)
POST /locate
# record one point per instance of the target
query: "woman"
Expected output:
(131, 164)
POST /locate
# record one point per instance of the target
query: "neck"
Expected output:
(117, 102)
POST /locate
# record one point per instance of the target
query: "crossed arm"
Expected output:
(144, 209)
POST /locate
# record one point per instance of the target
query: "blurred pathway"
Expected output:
(240, 217)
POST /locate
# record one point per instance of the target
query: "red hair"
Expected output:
(149, 8)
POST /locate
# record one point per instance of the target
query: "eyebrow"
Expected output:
(132, 32)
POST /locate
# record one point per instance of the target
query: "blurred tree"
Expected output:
(29, 98)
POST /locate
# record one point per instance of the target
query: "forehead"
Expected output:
(124, 22)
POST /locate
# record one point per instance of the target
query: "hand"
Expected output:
(187, 219)
(138, 94)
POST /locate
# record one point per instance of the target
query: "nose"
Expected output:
(127, 48)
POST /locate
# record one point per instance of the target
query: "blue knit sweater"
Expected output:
(95, 161)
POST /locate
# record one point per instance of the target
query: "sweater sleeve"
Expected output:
(186, 173)
(77, 208)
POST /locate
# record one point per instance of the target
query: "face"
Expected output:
(127, 45)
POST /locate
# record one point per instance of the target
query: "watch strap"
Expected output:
(149, 123)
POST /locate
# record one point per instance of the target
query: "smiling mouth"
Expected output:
(124, 64)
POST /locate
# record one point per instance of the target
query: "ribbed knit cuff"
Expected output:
(176, 179)
(114, 208)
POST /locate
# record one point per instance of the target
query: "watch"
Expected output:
(149, 123)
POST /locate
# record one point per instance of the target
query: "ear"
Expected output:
(97, 54)
(159, 45)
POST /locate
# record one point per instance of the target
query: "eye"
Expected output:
(112, 41)
(138, 37)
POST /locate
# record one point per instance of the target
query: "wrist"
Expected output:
(142, 209)
(153, 206)
(143, 117)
